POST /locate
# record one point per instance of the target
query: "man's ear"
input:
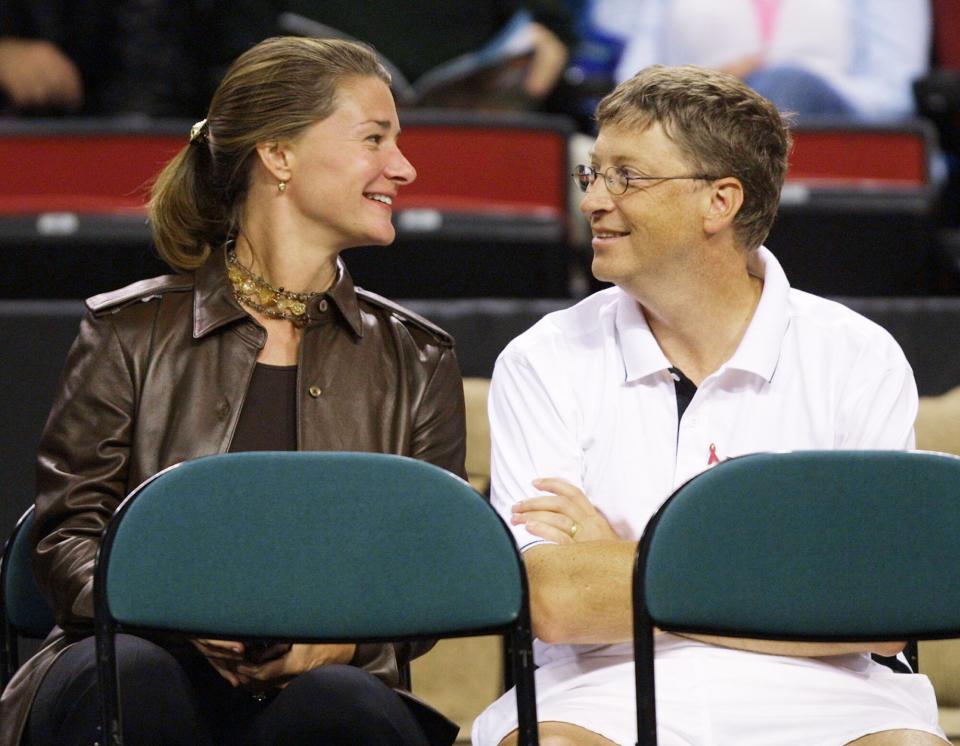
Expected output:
(277, 157)
(726, 199)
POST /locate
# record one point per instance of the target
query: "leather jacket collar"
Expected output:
(214, 304)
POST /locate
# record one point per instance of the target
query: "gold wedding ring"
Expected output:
(573, 530)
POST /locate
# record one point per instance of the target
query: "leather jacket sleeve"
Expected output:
(82, 468)
(440, 434)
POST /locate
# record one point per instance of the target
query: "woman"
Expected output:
(262, 343)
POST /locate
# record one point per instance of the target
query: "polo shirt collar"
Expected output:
(642, 355)
(759, 350)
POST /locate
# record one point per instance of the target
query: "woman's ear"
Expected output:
(726, 199)
(277, 158)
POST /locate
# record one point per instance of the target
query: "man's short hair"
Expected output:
(720, 124)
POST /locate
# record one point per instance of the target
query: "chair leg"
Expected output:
(107, 684)
(643, 651)
(9, 658)
(526, 693)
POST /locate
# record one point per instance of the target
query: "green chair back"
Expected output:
(310, 546)
(809, 545)
(25, 611)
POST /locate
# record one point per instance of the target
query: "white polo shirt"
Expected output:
(586, 395)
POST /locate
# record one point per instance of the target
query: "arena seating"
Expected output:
(491, 195)
(858, 211)
(487, 216)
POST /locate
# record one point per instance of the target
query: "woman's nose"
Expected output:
(400, 169)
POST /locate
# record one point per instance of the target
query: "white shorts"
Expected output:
(712, 696)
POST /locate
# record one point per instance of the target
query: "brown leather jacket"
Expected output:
(158, 374)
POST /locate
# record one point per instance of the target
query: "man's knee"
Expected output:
(558, 739)
(899, 738)
(554, 733)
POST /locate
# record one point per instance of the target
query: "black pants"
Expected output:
(171, 699)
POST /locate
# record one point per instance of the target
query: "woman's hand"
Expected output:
(564, 516)
(224, 656)
(300, 659)
(227, 658)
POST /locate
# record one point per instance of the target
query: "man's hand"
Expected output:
(564, 516)
(548, 62)
(36, 73)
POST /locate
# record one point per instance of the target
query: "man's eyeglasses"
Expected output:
(617, 179)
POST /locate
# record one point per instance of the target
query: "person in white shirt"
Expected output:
(701, 351)
(853, 58)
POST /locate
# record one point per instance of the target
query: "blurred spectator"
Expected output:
(417, 37)
(56, 55)
(593, 60)
(174, 53)
(853, 58)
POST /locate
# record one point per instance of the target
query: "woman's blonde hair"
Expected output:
(273, 91)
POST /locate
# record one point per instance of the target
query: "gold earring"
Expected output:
(282, 187)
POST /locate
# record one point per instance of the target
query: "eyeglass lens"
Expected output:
(613, 177)
(584, 176)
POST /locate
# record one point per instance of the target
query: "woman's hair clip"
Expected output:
(198, 131)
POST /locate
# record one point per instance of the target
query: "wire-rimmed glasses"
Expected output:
(618, 180)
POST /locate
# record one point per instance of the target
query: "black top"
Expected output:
(685, 390)
(268, 420)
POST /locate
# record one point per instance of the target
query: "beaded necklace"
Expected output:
(253, 291)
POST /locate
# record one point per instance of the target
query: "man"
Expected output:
(852, 58)
(700, 352)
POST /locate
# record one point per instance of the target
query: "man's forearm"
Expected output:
(581, 592)
(800, 649)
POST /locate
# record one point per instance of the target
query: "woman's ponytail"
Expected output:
(185, 216)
